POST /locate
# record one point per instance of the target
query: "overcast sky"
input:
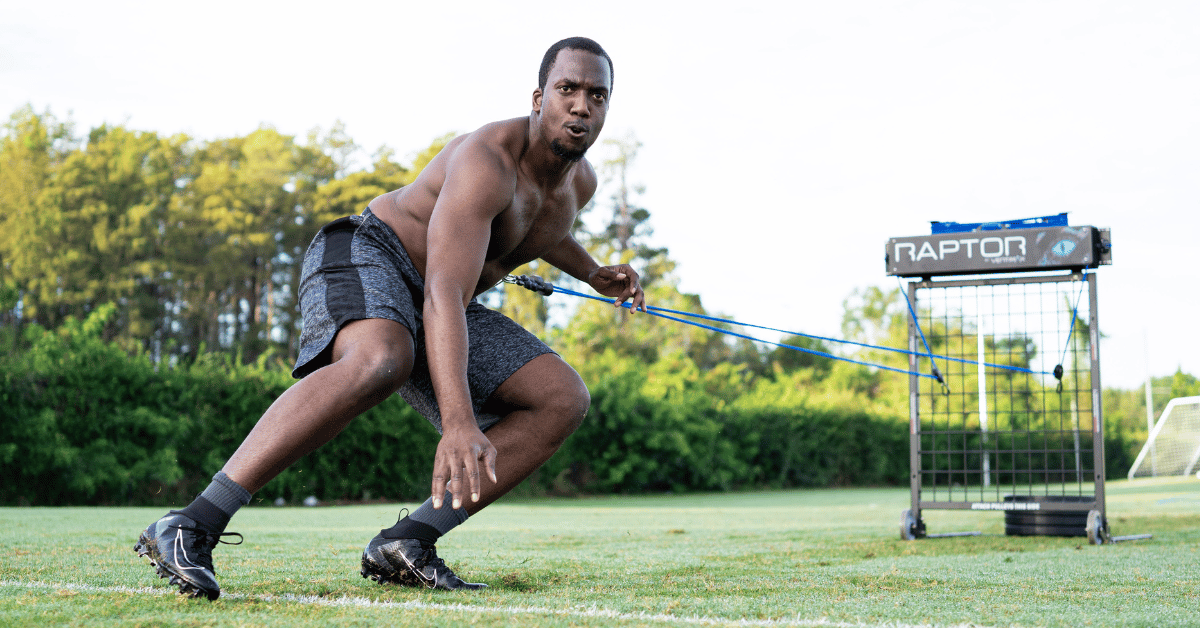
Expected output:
(784, 142)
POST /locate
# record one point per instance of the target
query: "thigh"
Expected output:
(497, 349)
(543, 381)
(350, 275)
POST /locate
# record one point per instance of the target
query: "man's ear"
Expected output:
(537, 100)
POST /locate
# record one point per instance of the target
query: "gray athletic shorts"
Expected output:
(357, 268)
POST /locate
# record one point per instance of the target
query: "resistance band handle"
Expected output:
(532, 282)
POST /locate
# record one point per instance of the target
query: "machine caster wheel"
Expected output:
(909, 530)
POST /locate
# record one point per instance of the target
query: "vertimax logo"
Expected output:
(1006, 249)
(1063, 248)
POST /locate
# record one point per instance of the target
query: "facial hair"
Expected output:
(565, 153)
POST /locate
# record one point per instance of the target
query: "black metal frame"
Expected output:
(951, 457)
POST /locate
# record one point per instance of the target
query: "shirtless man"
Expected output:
(388, 305)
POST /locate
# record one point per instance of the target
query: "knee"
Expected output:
(379, 371)
(374, 357)
(567, 403)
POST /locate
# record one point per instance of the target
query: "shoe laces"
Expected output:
(204, 541)
(429, 557)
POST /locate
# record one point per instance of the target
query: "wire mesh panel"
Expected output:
(1004, 433)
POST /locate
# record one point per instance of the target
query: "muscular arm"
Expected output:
(570, 257)
(620, 282)
(479, 185)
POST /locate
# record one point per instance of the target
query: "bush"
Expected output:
(85, 423)
(658, 428)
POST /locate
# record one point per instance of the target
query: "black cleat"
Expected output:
(410, 563)
(182, 551)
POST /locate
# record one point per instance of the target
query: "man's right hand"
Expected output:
(458, 459)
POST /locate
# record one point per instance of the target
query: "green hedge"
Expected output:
(658, 428)
(83, 422)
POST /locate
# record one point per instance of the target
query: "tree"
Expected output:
(336, 146)
(1184, 384)
(790, 360)
(31, 147)
(624, 236)
(95, 232)
(231, 227)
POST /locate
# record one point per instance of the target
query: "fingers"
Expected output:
(439, 488)
(489, 463)
(455, 484)
(609, 273)
(632, 290)
(473, 480)
(639, 300)
(457, 470)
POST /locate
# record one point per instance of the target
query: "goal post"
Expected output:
(1173, 447)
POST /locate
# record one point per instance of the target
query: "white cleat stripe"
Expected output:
(180, 549)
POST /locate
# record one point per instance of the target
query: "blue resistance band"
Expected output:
(537, 284)
(1058, 370)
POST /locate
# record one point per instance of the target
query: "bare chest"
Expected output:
(528, 229)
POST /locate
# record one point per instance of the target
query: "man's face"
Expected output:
(574, 102)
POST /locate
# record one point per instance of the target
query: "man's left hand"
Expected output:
(620, 282)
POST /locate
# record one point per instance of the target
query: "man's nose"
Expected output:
(579, 104)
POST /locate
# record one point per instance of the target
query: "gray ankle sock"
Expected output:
(226, 494)
(442, 519)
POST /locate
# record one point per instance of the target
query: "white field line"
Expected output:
(581, 612)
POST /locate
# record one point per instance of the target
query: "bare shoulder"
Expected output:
(585, 182)
(498, 142)
(478, 172)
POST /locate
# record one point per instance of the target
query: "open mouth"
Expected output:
(576, 129)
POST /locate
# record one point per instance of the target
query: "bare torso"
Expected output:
(538, 218)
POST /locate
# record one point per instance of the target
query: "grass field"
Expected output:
(795, 558)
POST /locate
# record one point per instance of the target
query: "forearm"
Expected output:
(570, 257)
(446, 344)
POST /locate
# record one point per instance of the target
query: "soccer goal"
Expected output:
(1173, 447)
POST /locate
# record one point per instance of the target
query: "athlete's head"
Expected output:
(572, 43)
(571, 101)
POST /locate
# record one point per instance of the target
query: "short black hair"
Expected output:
(572, 43)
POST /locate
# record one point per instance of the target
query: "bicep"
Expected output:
(476, 190)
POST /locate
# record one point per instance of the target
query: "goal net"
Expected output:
(1173, 447)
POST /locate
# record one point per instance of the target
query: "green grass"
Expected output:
(796, 557)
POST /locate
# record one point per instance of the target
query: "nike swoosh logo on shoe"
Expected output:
(413, 568)
(181, 550)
